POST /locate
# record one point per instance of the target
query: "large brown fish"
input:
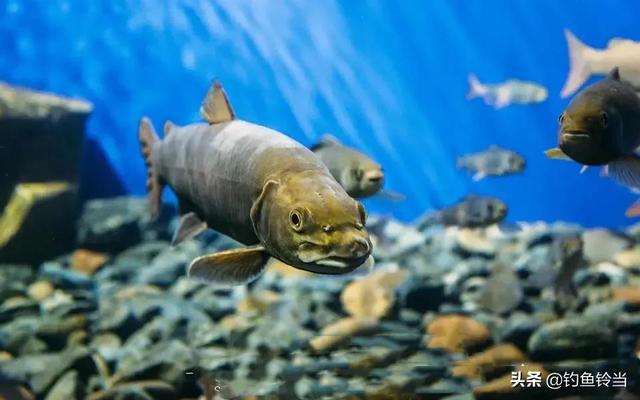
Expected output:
(259, 187)
(601, 127)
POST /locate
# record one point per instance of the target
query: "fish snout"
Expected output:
(374, 177)
(359, 247)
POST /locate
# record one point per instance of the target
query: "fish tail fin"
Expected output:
(579, 66)
(476, 88)
(148, 138)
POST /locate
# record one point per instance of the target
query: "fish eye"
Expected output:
(605, 119)
(296, 219)
(561, 118)
(363, 213)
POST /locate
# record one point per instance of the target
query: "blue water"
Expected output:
(387, 77)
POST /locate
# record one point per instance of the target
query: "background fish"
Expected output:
(566, 255)
(259, 187)
(495, 161)
(601, 127)
(471, 212)
(513, 91)
(585, 61)
(358, 174)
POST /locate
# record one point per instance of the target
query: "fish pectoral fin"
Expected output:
(626, 171)
(216, 108)
(189, 226)
(557, 154)
(232, 267)
(391, 195)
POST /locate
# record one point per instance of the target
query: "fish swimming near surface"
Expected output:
(601, 127)
(258, 186)
(358, 174)
(585, 61)
(513, 91)
(495, 161)
(471, 212)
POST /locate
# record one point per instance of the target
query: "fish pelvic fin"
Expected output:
(148, 139)
(216, 108)
(579, 64)
(557, 154)
(626, 171)
(189, 226)
(230, 267)
(476, 89)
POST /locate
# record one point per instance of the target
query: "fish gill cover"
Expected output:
(388, 78)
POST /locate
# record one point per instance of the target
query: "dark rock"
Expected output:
(15, 334)
(64, 278)
(142, 390)
(16, 307)
(108, 345)
(421, 295)
(66, 388)
(572, 338)
(442, 388)
(112, 225)
(41, 213)
(55, 331)
(40, 371)
(171, 264)
(518, 329)
(165, 360)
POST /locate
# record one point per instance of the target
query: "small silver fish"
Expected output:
(495, 161)
(513, 91)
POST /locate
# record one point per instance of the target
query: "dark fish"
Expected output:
(567, 257)
(601, 127)
(259, 187)
(495, 161)
(358, 174)
(471, 212)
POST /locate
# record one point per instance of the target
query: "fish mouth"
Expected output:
(575, 135)
(340, 262)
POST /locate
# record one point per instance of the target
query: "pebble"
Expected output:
(456, 333)
(40, 290)
(87, 261)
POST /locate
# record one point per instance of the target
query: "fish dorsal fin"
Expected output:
(614, 74)
(168, 125)
(325, 141)
(216, 108)
(231, 267)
